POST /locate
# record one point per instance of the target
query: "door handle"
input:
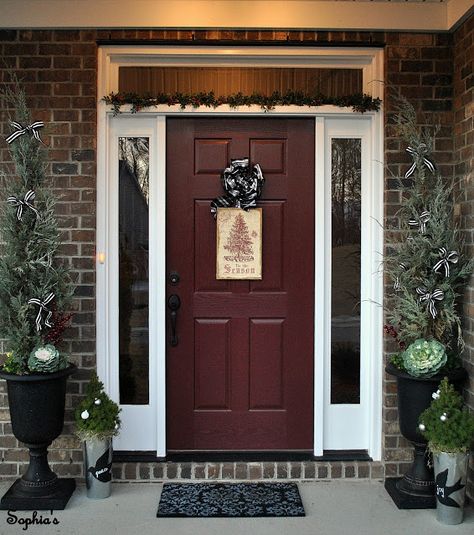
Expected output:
(174, 302)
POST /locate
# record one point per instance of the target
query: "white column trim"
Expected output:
(320, 298)
(158, 284)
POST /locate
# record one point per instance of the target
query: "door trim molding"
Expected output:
(110, 58)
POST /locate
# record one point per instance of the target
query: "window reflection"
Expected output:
(133, 270)
(345, 291)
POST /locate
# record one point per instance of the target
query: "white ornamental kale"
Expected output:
(46, 359)
(424, 358)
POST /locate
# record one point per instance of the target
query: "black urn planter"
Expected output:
(37, 415)
(416, 489)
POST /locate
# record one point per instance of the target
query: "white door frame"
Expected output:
(326, 117)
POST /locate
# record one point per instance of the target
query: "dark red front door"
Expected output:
(241, 376)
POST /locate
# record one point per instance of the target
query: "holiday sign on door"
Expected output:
(239, 244)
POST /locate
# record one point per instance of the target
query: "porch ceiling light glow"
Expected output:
(264, 14)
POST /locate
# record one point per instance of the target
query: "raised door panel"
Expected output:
(266, 377)
(212, 367)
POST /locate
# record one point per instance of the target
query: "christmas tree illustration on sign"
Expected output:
(239, 244)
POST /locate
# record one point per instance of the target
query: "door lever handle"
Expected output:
(174, 302)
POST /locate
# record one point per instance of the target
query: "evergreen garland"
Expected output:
(424, 301)
(29, 267)
(358, 102)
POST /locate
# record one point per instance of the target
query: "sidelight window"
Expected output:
(133, 270)
(345, 270)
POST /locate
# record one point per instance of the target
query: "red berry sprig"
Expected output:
(60, 323)
(390, 330)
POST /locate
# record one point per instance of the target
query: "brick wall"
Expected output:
(464, 154)
(59, 72)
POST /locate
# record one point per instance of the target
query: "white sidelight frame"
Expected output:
(346, 426)
(148, 432)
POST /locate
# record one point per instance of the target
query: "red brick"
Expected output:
(83, 49)
(416, 39)
(67, 89)
(20, 49)
(36, 62)
(67, 62)
(54, 49)
(35, 35)
(54, 76)
(66, 35)
(66, 115)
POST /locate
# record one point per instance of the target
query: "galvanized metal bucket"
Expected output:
(98, 467)
(450, 476)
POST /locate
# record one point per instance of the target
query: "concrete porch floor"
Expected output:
(332, 508)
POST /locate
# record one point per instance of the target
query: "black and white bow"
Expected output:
(21, 130)
(430, 298)
(446, 258)
(243, 186)
(419, 153)
(42, 304)
(25, 202)
(421, 221)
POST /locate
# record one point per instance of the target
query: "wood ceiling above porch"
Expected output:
(248, 80)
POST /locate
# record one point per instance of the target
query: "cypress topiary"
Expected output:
(35, 285)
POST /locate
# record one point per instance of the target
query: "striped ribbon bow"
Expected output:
(430, 298)
(29, 129)
(446, 258)
(418, 154)
(421, 221)
(25, 202)
(243, 186)
(43, 308)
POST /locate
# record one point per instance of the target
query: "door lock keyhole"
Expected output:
(174, 278)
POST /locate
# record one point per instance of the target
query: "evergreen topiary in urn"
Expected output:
(429, 268)
(35, 293)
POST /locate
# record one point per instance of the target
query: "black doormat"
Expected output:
(230, 500)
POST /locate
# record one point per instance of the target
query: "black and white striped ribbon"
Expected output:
(420, 221)
(430, 298)
(243, 186)
(22, 130)
(446, 258)
(25, 202)
(43, 309)
(418, 154)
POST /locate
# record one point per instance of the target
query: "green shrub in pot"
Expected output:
(449, 428)
(97, 416)
(446, 423)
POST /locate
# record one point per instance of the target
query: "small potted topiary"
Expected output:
(449, 428)
(97, 421)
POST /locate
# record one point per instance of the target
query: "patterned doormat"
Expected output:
(230, 500)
